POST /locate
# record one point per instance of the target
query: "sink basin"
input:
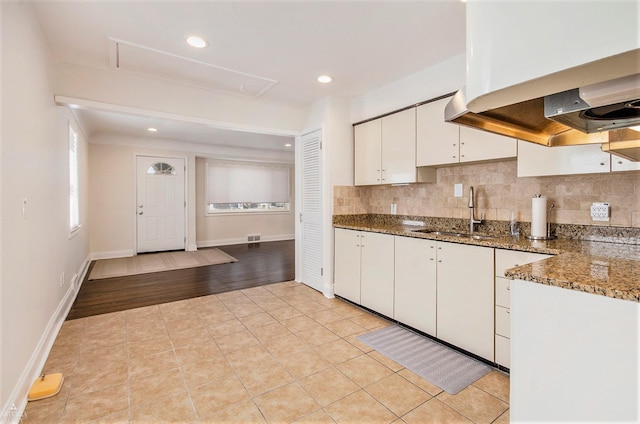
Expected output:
(455, 234)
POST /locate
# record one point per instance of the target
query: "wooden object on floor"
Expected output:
(258, 264)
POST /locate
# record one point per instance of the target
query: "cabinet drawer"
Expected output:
(506, 259)
(503, 293)
(503, 351)
(502, 321)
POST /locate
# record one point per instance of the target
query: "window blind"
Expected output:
(247, 183)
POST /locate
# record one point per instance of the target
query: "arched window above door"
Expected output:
(161, 168)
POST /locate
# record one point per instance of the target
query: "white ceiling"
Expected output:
(363, 45)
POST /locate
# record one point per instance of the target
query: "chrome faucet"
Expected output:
(472, 209)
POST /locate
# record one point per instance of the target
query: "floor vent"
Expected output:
(253, 238)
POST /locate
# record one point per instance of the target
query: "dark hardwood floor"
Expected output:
(258, 264)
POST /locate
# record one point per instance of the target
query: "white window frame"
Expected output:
(74, 186)
(248, 207)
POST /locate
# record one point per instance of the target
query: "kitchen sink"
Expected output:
(455, 234)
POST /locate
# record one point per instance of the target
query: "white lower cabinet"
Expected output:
(347, 264)
(363, 269)
(376, 276)
(415, 283)
(506, 259)
(465, 305)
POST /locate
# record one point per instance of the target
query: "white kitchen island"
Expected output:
(574, 354)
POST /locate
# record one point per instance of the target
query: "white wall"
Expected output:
(36, 248)
(233, 229)
(445, 77)
(112, 182)
(331, 115)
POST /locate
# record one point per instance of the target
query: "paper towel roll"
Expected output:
(539, 217)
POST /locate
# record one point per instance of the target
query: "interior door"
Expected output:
(160, 205)
(311, 216)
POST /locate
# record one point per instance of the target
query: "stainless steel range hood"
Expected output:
(603, 113)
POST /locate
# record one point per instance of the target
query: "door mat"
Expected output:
(447, 368)
(157, 262)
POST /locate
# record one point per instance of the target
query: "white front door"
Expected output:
(311, 217)
(160, 205)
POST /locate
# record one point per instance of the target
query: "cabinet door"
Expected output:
(347, 264)
(476, 145)
(465, 297)
(622, 164)
(536, 160)
(415, 283)
(399, 147)
(376, 280)
(436, 140)
(368, 144)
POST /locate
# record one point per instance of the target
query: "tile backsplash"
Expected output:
(499, 191)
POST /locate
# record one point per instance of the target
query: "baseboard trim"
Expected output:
(13, 410)
(243, 240)
(111, 255)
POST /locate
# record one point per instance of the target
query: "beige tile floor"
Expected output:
(280, 353)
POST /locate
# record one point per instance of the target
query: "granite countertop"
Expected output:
(604, 268)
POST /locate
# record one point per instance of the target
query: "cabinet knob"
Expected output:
(461, 156)
(430, 259)
(454, 156)
(601, 163)
(619, 162)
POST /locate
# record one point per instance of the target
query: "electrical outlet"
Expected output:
(457, 190)
(600, 211)
(394, 208)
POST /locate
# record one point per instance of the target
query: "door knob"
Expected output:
(140, 213)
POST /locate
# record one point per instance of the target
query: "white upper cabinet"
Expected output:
(535, 160)
(622, 164)
(399, 147)
(442, 143)
(385, 150)
(436, 140)
(478, 145)
(368, 145)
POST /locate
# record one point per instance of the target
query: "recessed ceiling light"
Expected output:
(197, 42)
(151, 129)
(287, 145)
(325, 79)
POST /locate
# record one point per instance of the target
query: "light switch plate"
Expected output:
(457, 190)
(600, 211)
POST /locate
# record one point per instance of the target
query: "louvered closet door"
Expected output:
(312, 210)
